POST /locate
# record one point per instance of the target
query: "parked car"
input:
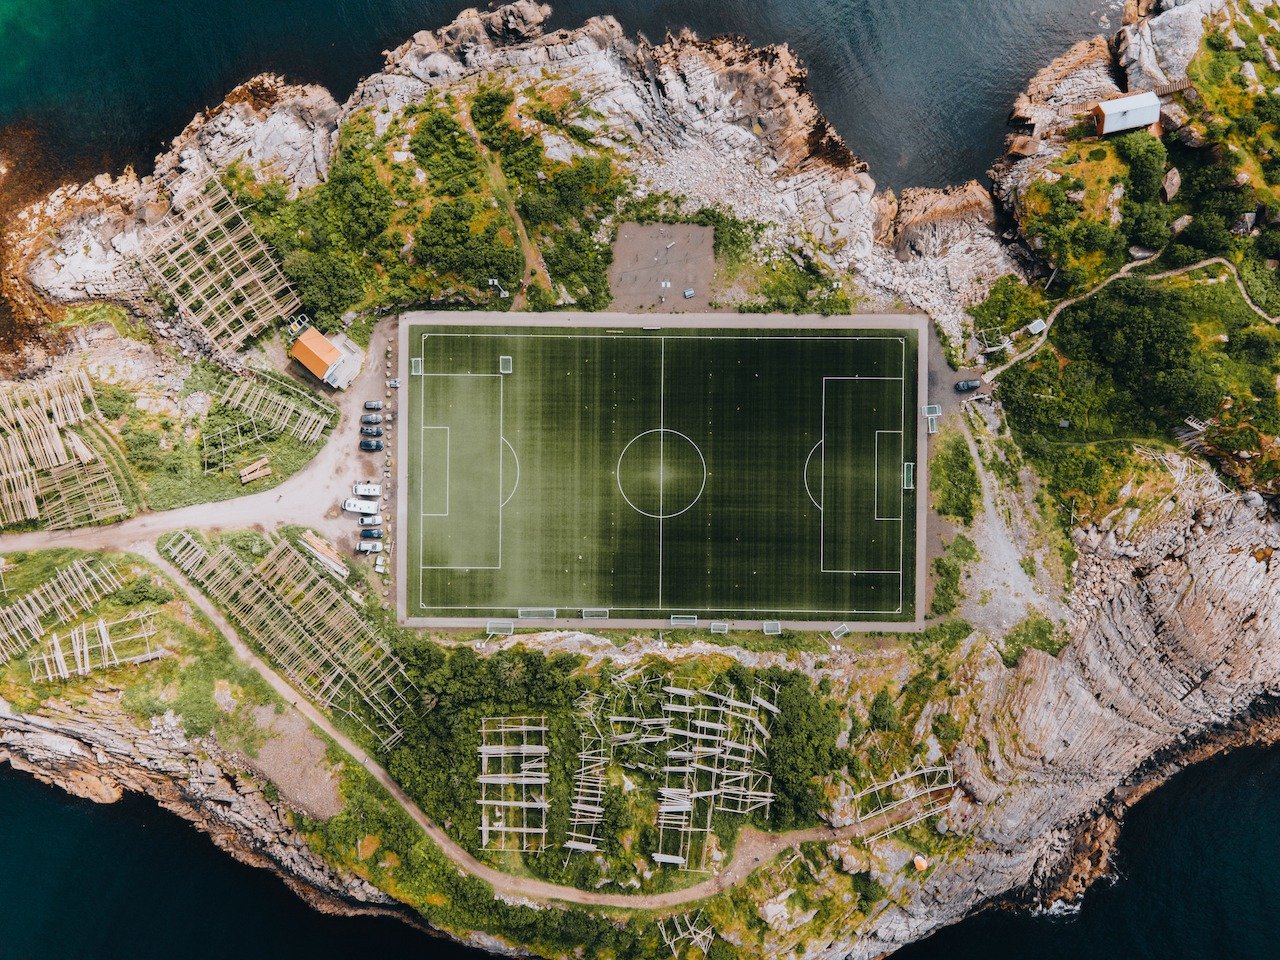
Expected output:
(370, 431)
(373, 404)
(394, 383)
(689, 293)
(367, 488)
(374, 534)
(372, 521)
(368, 546)
(964, 386)
(371, 446)
(371, 418)
(367, 507)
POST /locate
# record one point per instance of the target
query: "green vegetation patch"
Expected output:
(953, 479)
(1131, 364)
(1036, 632)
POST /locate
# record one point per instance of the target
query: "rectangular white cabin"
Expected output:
(1127, 113)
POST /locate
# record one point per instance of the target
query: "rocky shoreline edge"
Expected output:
(1169, 658)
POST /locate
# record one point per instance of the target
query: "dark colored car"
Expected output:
(371, 446)
(964, 386)
(373, 534)
(373, 404)
(370, 431)
(371, 418)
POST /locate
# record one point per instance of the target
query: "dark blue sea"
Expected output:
(921, 90)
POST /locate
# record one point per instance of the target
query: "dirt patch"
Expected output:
(294, 760)
(654, 264)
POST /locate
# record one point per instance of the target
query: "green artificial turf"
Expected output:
(653, 473)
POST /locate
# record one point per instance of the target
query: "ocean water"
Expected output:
(921, 90)
(1197, 881)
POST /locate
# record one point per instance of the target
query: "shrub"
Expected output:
(953, 479)
(884, 712)
(947, 571)
(1035, 632)
(445, 151)
(1147, 158)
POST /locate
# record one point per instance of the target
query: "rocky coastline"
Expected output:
(1173, 655)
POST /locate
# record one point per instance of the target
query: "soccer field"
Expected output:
(742, 474)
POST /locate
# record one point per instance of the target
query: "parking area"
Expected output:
(663, 268)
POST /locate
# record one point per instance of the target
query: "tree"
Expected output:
(1147, 158)
(884, 712)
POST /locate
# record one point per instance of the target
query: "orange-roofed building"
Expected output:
(319, 355)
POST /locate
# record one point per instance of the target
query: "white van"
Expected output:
(352, 505)
(368, 546)
(367, 489)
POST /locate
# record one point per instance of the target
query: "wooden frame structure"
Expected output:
(264, 403)
(513, 783)
(46, 469)
(586, 810)
(686, 930)
(73, 590)
(901, 789)
(307, 626)
(713, 741)
(206, 256)
(98, 646)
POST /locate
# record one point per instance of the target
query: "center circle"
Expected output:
(661, 473)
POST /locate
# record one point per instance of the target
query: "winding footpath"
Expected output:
(754, 848)
(326, 480)
(1124, 271)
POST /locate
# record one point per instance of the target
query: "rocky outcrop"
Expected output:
(1174, 639)
(717, 121)
(1056, 99)
(94, 750)
(81, 242)
(1158, 49)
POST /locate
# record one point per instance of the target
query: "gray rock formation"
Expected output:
(94, 750)
(716, 121)
(1173, 637)
(1158, 49)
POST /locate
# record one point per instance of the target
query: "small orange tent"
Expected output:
(315, 352)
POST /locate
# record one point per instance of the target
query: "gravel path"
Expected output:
(1124, 271)
(324, 482)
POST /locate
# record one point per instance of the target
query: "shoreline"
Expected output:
(1089, 826)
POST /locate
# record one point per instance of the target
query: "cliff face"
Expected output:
(1174, 638)
(94, 750)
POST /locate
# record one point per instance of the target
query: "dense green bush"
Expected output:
(445, 151)
(953, 479)
(1147, 159)
(883, 714)
(449, 242)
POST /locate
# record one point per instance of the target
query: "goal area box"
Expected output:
(735, 470)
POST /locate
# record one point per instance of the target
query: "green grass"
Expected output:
(1036, 632)
(651, 475)
(953, 478)
(947, 572)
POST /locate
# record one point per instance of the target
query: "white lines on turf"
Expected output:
(517, 460)
(807, 461)
(447, 443)
(876, 477)
(662, 449)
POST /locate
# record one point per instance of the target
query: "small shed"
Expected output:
(324, 359)
(1127, 113)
